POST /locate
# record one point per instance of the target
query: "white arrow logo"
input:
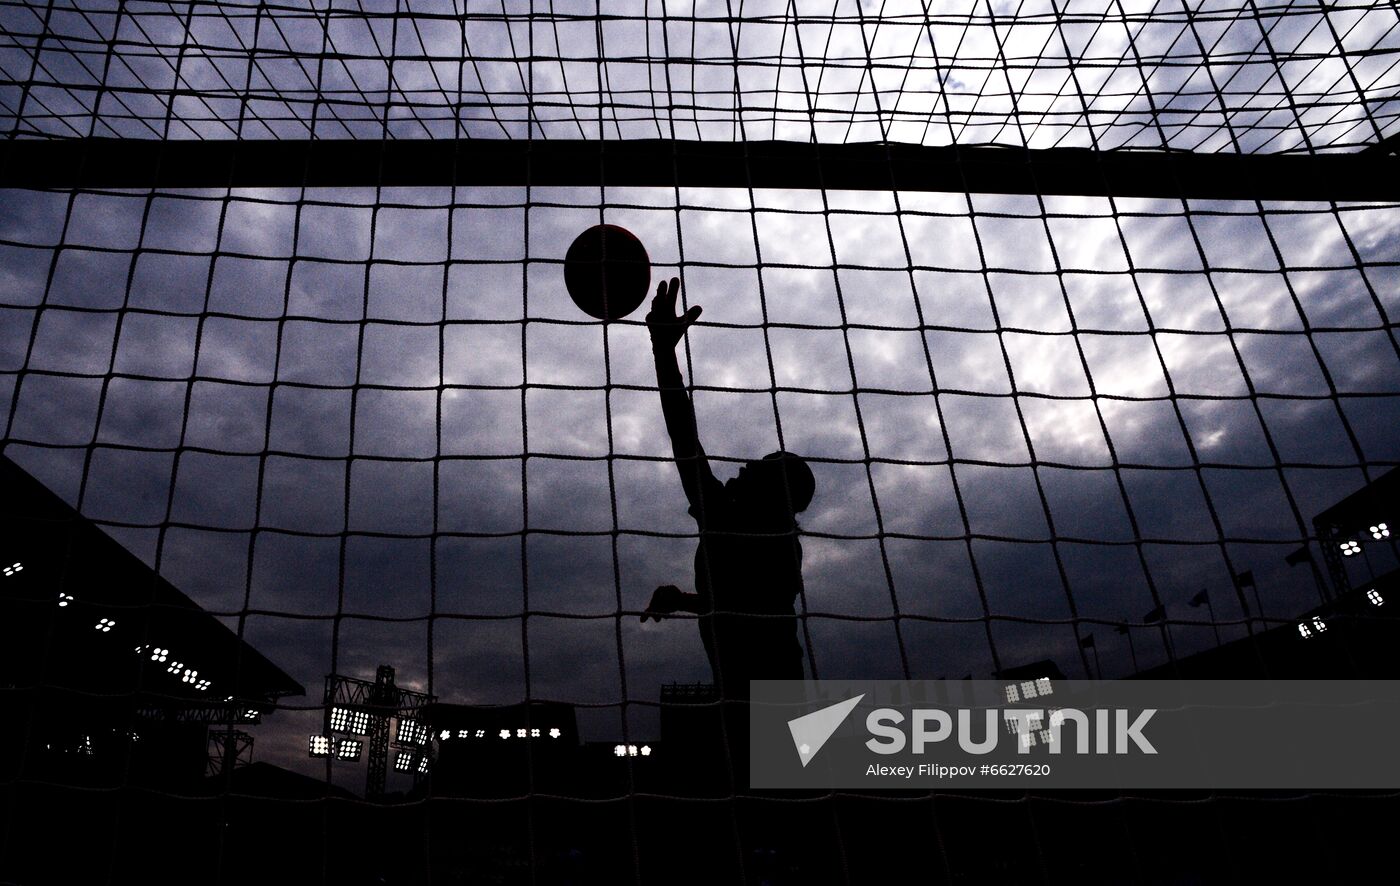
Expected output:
(810, 731)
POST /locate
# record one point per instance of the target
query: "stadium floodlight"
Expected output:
(1303, 630)
(13, 569)
(159, 654)
(319, 746)
(64, 599)
(404, 761)
(104, 625)
(620, 750)
(1380, 531)
(445, 734)
(1013, 694)
(481, 733)
(631, 750)
(1042, 685)
(554, 733)
(534, 733)
(464, 733)
(646, 750)
(505, 733)
(1374, 597)
(423, 765)
(348, 749)
(520, 733)
(1318, 624)
(412, 732)
(1350, 548)
(349, 720)
(368, 708)
(175, 667)
(202, 684)
(189, 676)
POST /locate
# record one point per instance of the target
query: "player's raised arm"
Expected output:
(667, 329)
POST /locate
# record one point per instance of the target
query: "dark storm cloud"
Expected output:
(477, 577)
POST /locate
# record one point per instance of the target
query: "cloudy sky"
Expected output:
(325, 414)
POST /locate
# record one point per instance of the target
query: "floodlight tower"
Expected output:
(383, 699)
(1031, 684)
(359, 707)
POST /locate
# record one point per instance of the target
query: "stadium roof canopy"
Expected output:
(83, 613)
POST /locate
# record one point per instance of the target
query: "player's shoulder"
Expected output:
(714, 506)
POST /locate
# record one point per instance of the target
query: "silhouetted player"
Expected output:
(748, 564)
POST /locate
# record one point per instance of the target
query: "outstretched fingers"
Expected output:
(667, 328)
(665, 302)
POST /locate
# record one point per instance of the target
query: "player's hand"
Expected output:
(667, 329)
(664, 601)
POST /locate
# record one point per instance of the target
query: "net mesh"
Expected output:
(1209, 76)
(367, 425)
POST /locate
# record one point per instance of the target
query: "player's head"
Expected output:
(780, 480)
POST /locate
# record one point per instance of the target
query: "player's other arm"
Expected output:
(667, 329)
(670, 599)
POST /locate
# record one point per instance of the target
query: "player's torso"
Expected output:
(749, 573)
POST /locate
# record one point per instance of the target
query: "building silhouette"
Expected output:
(110, 674)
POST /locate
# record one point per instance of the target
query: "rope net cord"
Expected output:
(367, 426)
(1210, 76)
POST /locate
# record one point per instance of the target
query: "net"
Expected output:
(1211, 76)
(365, 425)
